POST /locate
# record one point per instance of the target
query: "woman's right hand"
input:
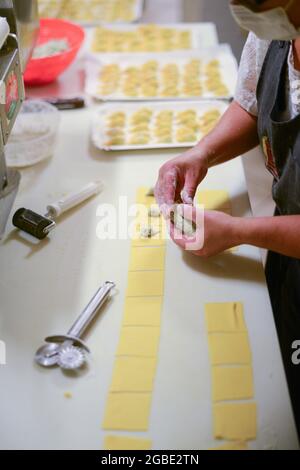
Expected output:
(179, 178)
(235, 134)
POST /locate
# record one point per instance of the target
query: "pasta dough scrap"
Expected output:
(235, 421)
(147, 230)
(143, 197)
(127, 411)
(158, 224)
(224, 317)
(214, 200)
(145, 283)
(140, 341)
(133, 374)
(126, 443)
(229, 348)
(147, 258)
(232, 383)
(142, 311)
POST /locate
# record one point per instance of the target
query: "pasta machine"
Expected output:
(19, 26)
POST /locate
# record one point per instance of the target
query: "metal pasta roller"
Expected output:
(69, 351)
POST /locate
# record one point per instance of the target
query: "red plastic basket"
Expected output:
(45, 70)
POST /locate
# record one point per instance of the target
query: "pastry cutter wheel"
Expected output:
(69, 351)
(39, 226)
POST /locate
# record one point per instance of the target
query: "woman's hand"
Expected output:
(178, 178)
(235, 134)
(215, 232)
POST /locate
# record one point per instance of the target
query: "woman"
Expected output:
(266, 110)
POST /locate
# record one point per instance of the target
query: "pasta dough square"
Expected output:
(235, 421)
(133, 374)
(147, 258)
(126, 443)
(145, 219)
(127, 411)
(232, 446)
(153, 241)
(157, 238)
(144, 196)
(144, 214)
(214, 200)
(229, 348)
(141, 341)
(142, 311)
(232, 383)
(224, 317)
(145, 283)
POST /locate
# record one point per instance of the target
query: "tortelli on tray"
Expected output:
(154, 125)
(91, 11)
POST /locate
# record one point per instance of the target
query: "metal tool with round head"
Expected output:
(71, 357)
(69, 351)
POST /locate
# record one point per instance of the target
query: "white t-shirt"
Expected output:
(252, 60)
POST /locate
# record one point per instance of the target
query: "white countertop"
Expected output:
(43, 288)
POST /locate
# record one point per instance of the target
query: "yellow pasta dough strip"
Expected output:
(141, 341)
(147, 258)
(229, 348)
(235, 421)
(143, 222)
(232, 446)
(145, 283)
(158, 232)
(224, 317)
(133, 374)
(157, 240)
(142, 311)
(148, 214)
(126, 443)
(214, 200)
(127, 411)
(142, 196)
(232, 383)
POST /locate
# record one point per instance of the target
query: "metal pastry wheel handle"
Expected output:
(69, 351)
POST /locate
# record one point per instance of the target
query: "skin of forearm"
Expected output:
(234, 135)
(280, 234)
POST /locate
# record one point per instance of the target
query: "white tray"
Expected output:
(223, 53)
(83, 5)
(99, 126)
(203, 34)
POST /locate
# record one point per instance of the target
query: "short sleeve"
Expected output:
(250, 67)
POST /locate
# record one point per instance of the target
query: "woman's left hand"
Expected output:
(215, 231)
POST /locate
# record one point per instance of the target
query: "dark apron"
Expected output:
(280, 141)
